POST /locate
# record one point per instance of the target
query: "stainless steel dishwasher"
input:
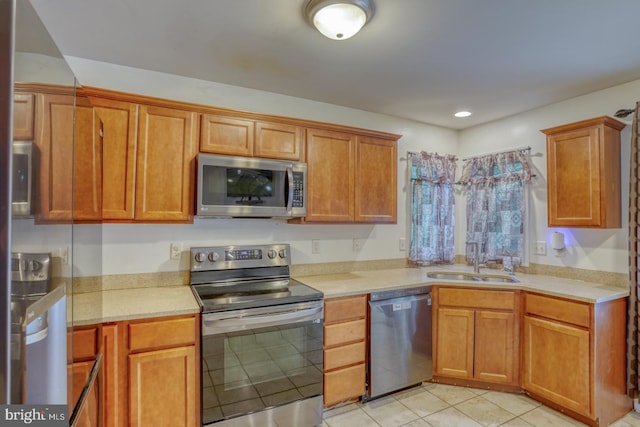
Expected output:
(400, 339)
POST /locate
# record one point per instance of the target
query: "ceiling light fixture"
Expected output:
(339, 19)
(463, 114)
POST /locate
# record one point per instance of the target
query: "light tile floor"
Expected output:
(439, 405)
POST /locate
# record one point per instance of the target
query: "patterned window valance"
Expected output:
(504, 167)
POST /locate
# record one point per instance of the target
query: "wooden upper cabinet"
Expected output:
(350, 178)
(245, 137)
(165, 164)
(583, 174)
(376, 180)
(70, 172)
(119, 126)
(226, 135)
(330, 176)
(23, 113)
(278, 141)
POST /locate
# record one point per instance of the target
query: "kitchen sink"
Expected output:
(478, 277)
(498, 278)
(450, 276)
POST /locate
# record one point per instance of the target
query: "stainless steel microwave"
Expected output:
(22, 178)
(230, 186)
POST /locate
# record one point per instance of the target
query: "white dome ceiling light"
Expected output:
(339, 19)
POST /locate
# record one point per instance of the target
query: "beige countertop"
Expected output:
(145, 302)
(133, 303)
(358, 282)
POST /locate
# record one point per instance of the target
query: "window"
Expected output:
(495, 187)
(432, 208)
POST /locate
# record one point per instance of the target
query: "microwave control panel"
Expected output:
(298, 190)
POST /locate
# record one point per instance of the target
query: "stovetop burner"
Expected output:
(239, 277)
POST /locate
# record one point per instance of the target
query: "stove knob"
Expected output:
(200, 257)
(283, 253)
(272, 253)
(213, 256)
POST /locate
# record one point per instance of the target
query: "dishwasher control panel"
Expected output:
(397, 293)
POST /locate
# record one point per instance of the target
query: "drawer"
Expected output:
(477, 298)
(339, 309)
(577, 313)
(85, 343)
(344, 384)
(343, 333)
(162, 333)
(345, 355)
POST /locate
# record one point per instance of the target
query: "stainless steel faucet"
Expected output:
(476, 256)
(508, 268)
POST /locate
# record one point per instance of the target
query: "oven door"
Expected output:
(263, 360)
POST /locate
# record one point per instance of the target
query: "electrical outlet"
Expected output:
(357, 245)
(315, 246)
(63, 253)
(175, 250)
(403, 244)
(541, 248)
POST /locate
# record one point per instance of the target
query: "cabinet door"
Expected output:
(455, 342)
(165, 171)
(89, 415)
(278, 141)
(162, 388)
(583, 174)
(119, 124)
(376, 180)
(573, 178)
(496, 352)
(70, 173)
(23, 111)
(226, 135)
(344, 384)
(330, 176)
(556, 363)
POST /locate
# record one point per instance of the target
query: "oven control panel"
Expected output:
(239, 256)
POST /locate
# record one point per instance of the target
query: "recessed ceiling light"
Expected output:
(463, 114)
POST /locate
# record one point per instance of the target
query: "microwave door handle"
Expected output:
(290, 193)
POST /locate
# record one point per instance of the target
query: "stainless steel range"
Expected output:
(262, 338)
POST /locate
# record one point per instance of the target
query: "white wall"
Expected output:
(136, 248)
(604, 250)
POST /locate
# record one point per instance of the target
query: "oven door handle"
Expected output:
(262, 320)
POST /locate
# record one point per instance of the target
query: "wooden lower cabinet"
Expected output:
(565, 379)
(83, 344)
(150, 372)
(574, 357)
(476, 335)
(345, 333)
(90, 415)
(166, 376)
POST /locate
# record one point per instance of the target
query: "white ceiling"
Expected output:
(417, 59)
